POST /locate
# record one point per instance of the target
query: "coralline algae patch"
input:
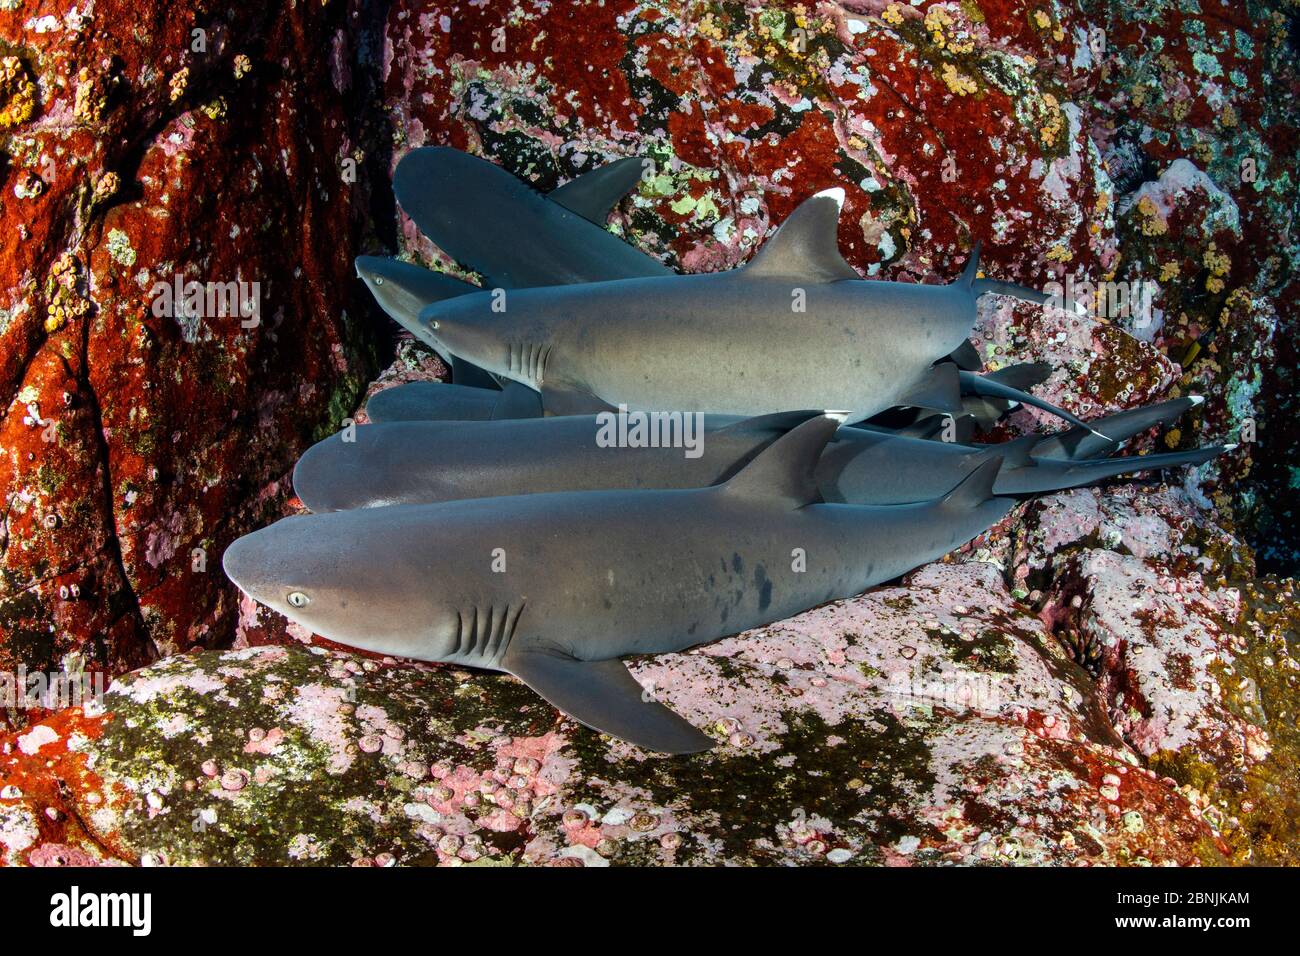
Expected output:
(748, 109)
(898, 728)
(133, 440)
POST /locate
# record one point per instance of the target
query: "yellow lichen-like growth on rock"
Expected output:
(64, 298)
(17, 93)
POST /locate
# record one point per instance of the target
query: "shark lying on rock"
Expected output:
(421, 462)
(556, 588)
(706, 342)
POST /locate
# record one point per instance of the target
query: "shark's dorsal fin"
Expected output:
(785, 469)
(605, 697)
(777, 421)
(806, 245)
(976, 489)
(592, 195)
(1014, 453)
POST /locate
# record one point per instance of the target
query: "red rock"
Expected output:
(165, 436)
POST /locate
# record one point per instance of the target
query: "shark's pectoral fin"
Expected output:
(517, 401)
(939, 389)
(470, 375)
(560, 398)
(592, 195)
(605, 697)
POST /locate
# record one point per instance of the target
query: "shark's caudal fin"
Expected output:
(985, 286)
(973, 384)
(806, 246)
(1048, 475)
(785, 470)
(1086, 472)
(594, 195)
(605, 697)
(1080, 443)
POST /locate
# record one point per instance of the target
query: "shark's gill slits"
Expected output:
(482, 635)
(528, 360)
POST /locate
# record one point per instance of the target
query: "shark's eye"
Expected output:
(379, 280)
(298, 599)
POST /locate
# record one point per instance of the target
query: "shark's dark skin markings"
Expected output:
(417, 462)
(593, 576)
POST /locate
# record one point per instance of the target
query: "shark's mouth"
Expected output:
(527, 361)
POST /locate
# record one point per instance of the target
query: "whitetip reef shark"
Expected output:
(707, 342)
(591, 577)
(421, 462)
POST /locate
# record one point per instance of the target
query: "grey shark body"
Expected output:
(555, 588)
(420, 462)
(512, 235)
(707, 342)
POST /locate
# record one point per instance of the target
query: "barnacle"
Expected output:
(64, 300)
(1153, 224)
(17, 92)
(180, 81)
(959, 83)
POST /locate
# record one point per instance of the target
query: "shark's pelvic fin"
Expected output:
(939, 390)
(785, 470)
(806, 246)
(1024, 375)
(966, 357)
(593, 195)
(606, 697)
(561, 399)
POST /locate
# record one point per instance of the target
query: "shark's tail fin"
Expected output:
(982, 286)
(1113, 429)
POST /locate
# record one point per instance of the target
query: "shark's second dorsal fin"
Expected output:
(592, 195)
(806, 246)
(785, 470)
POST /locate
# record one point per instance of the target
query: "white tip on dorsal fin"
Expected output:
(806, 246)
